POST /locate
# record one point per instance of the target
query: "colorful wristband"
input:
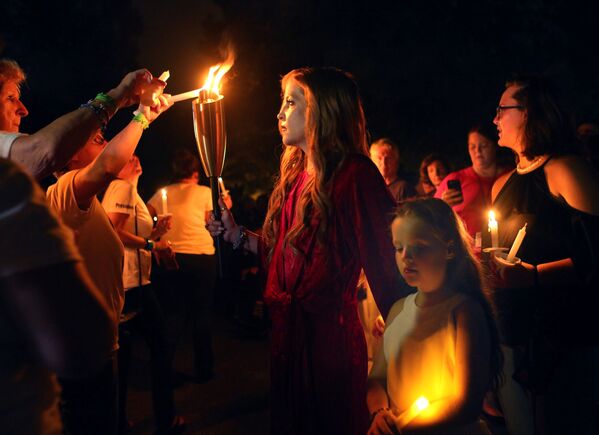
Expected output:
(100, 111)
(141, 118)
(105, 98)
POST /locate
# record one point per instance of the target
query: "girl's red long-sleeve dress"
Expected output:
(318, 350)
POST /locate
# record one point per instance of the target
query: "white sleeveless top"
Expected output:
(419, 346)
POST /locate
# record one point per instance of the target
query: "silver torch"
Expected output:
(211, 138)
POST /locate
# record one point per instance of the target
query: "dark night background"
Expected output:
(427, 70)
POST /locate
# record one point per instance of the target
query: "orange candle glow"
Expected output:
(412, 412)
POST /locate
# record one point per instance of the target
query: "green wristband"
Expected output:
(105, 98)
(141, 118)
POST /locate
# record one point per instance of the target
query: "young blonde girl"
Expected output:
(441, 342)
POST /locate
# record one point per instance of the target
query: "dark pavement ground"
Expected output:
(235, 401)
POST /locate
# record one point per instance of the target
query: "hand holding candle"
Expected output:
(412, 412)
(152, 90)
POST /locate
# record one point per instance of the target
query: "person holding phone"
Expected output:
(468, 191)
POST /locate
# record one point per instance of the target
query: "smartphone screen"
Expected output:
(454, 184)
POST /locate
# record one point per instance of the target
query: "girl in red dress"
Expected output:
(328, 218)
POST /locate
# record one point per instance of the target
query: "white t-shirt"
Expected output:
(122, 197)
(98, 242)
(31, 237)
(6, 140)
(188, 204)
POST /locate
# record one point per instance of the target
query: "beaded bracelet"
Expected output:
(99, 110)
(141, 118)
(243, 235)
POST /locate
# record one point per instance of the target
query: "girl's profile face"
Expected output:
(292, 116)
(421, 258)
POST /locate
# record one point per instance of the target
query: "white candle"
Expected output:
(164, 76)
(412, 412)
(222, 185)
(164, 202)
(516, 244)
(493, 228)
(184, 96)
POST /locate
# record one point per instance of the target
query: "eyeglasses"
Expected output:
(500, 108)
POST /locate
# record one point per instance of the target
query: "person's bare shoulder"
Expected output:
(573, 179)
(396, 308)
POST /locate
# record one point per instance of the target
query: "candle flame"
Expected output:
(491, 216)
(163, 193)
(213, 83)
(421, 403)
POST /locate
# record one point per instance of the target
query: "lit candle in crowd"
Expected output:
(164, 202)
(412, 412)
(516, 244)
(493, 229)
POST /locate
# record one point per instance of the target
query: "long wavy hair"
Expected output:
(334, 128)
(464, 273)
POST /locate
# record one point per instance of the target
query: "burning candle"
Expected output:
(164, 202)
(184, 96)
(516, 244)
(412, 412)
(493, 229)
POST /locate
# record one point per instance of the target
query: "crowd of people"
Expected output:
(459, 332)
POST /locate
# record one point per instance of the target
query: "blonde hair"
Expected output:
(464, 272)
(335, 127)
(10, 70)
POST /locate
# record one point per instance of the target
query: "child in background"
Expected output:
(441, 342)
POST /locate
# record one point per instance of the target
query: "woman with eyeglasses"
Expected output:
(546, 305)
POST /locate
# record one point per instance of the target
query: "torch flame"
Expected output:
(215, 74)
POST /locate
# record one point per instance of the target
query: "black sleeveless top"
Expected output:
(526, 199)
(555, 231)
